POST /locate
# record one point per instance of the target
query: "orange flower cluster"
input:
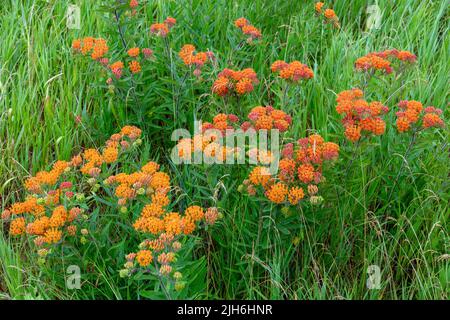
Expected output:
(135, 66)
(116, 68)
(47, 178)
(328, 14)
(207, 146)
(411, 112)
(97, 47)
(249, 30)
(162, 29)
(135, 52)
(300, 170)
(146, 182)
(293, 71)
(198, 59)
(359, 115)
(221, 122)
(267, 118)
(51, 213)
(383, 60)
(229, 81)
(162, 228)
(209, 142)
(91, 160)
(42, 216)
(47, 227)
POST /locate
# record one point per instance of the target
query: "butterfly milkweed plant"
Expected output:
(224, 150)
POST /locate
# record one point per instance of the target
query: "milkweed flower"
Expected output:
(277, 193)
(144, 258)
(97, 47)
(133, 4)
(300, 168)
(162, 29)
(385, 61)
(133, 52)
(294, 71)
(161, 227)
(247, 29)
(412, 113)
(267, 118)
(360, 117)
(135, 66)
(100, 49)
(205, 143)
(318, 7)
(230, 81)
(159, 29)
(241, 22)
(17, 226)
(329, 16)
(170, 22)
(190, 57)
(49, 215)
(148, 53)
(295, 195)
(117, 68)
(211, 215)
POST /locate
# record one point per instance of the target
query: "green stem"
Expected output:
(397, 178)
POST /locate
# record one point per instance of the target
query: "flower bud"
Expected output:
(176, 246)
(6, 214)
(180, 285)
(123, 209)
(95, 187)
(286, 211)
(177, 275)
(124, 273)
(142, 245)
(138, 142)
(316, 200)
(42, 253)
(79, 197)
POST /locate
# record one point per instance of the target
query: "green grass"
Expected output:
(251, 254)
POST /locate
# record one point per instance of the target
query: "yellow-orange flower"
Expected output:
(52, 235)
(144, 258)
(259, 176)
(134, 66)
(277, 193)
(134, 52)
(295, 195)
(195, 213)
(17, 226)
(110, 154)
